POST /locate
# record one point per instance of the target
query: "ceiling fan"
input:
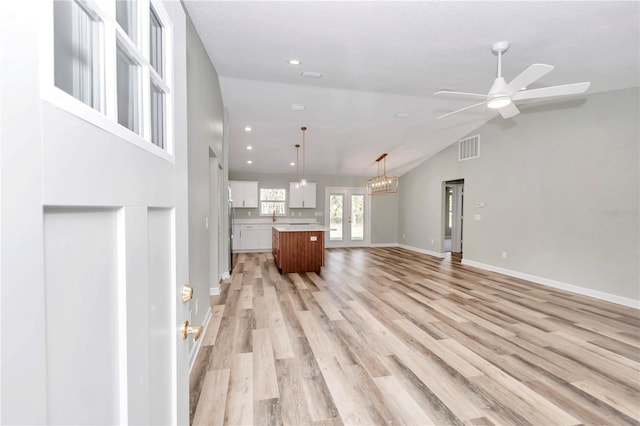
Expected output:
(502, 95)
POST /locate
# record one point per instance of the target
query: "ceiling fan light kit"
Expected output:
(501, 95)
(498, 102)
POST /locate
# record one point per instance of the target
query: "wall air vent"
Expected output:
(469, 148)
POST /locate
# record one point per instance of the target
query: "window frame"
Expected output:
(112, 35)
(266, 200)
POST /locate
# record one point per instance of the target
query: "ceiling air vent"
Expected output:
(469, 148)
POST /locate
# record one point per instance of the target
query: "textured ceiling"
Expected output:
(381, 58)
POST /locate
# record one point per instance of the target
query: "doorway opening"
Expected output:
(453, 218)
(213, 223)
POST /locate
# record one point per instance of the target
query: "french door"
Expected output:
(347, 212)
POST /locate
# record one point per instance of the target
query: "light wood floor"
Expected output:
(389, 336)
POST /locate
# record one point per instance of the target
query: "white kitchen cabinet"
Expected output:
(244, 194)
(252, 237)
(302, 197)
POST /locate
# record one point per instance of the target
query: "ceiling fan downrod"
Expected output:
(498, 49)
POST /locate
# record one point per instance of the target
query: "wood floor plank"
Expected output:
(281, 344)
(245, 299)
(400, 402)
(390, 336)
(212, 402)
(214, 325)
(292, 395)
(331, 311)
(265, 384)
(267, 412)
(239, 404)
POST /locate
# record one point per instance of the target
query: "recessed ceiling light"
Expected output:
(402, 115)
(311, 74)
(249, 147)
(294, 62)
(249, 162)
(247, 129)
(297, 107)
(292, 163)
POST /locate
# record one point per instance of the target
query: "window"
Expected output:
(272, 200)
(128, 76)
(156, 52)
(157, 116)
(158, 94)
(77, 63)
(126, 14)
(114, 55)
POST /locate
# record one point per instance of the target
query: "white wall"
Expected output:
(560, 183)
(206, 124)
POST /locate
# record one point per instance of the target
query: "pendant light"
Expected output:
(297, 166)
(303, 181)
(382, 184)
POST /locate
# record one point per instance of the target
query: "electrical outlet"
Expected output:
(248, 213)
(404, 236)
(504, 254)
(206, 223)
(432, 241)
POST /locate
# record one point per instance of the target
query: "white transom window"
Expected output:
(112, 59)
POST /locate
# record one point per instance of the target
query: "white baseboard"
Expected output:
(193, 354)
(632, 303)
(423, 251)
(384, 245)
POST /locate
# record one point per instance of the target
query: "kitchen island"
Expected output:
(298, 248)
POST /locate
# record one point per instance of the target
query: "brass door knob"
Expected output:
(187, 292)
(190, 329)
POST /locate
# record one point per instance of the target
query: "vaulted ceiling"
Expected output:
(382, 58)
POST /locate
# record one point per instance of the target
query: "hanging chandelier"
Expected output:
(382, 184)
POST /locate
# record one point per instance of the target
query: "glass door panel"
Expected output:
(357, 217)
(336, 216)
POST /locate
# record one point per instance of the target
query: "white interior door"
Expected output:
(93, 252)
(456, 228)
(347, 213)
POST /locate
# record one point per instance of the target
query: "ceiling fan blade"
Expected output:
(526, 77)
(509, 111)
(462, 94)
(460, 110)
(562, 90)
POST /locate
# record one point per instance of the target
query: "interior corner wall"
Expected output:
(205, 122)
(560, 186)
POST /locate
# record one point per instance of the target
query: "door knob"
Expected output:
(187, 292)
(190, 329)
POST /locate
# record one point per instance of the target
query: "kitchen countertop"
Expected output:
(280, 221)
(300, 228)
